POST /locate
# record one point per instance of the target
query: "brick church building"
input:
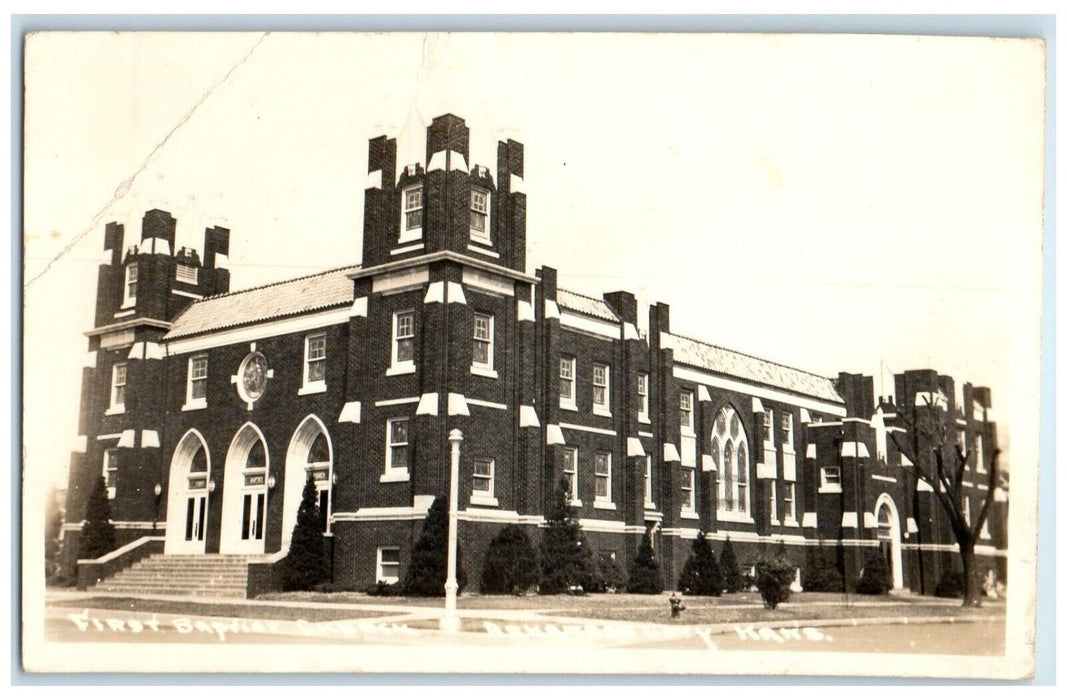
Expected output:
(205, 409)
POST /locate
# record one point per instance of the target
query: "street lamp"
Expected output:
(450, 620)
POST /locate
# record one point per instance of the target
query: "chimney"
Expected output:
(624, 304)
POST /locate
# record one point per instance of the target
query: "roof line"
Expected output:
(275, 284)
(754, 357)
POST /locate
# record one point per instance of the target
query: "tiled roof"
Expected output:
(585, 305)
(296, 296)
(735, 364)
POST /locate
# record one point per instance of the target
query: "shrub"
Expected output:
(385, 590)
(510, 563)
(609, 577)
(304, 567)
(428, 569)
(951, 585)
(821, 573)
(565, 560)
(98, 534)
(731, 572)
(701, 574)
(875, 577)
(773, 578)
(645, 573)
(53, 528)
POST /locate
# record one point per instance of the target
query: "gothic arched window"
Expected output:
(729, 452)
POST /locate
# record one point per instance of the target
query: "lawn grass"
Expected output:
(233, 610)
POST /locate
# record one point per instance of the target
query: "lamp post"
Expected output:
(450, 620)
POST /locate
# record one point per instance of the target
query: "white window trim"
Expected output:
(603, 409)
(570, 404)
(406, 366)
(378, 575)
(391, 473)
(413, 234)
(116, 408)
(829, 488)
(111, 490)
(649, 502)
(690, 495)
(768, 424)
(483, 237)
(790, 519)
(485, 369)
(192, 404)
(477, 497)
(979, 455)
(642, 410)
(787, 444)
(689, 429)
(773, 498)
(575, 501)
(128, 301)
(317, 386)
(601, 502)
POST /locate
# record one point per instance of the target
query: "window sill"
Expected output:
(788, 450)
(790, 522)
(576, 502)
(404, 368)
(601, 411)
(484, 371)
(689, 515)
(643, 418)
(829, 489)
(124, 314)
(111, 492)
(604, 505)
(313, 388)
(650, 506)
(688, 432)
(410, 236)
(389, 580)
(115, 410)
(195, 405)
(128, 304)
(484, 501)
(394, 476)
(732, 516)
(568, 406)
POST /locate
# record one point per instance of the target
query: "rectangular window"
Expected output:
(118, 386)
(111, 471)
(685, 402)
(404, 341)
(566, 382)
(689, 503)
(413, 208)
(768, 427)
(479, 214)
(570, 470)
(483, 341)
(601, 375)
(186, 273)
(772, 498)
(831, 479)
(790, 502)
(388, 566)
(642, 398)
(649, 502)
(482, 484)
(396, 458)
(315, 360)
(129, 290)
(979, 458)
(197, 389)
(602, 469)
(787, 429)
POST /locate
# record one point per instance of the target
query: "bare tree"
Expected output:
(945, 474)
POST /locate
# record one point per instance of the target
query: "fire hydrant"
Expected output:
(676, 605)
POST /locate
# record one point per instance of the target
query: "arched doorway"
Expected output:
(187, 496)
(889, 538)
(310, 451)
(244, 500)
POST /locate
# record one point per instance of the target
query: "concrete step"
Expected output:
(219, 575)
(200, 592)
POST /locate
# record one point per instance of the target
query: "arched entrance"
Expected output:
(889, 538)
(187, 496)
(310, 451)
(244, 500)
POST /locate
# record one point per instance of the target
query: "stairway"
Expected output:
(209, 575)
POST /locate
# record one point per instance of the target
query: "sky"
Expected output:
(848, 203)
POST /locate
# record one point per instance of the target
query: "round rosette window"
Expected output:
(252, 377)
